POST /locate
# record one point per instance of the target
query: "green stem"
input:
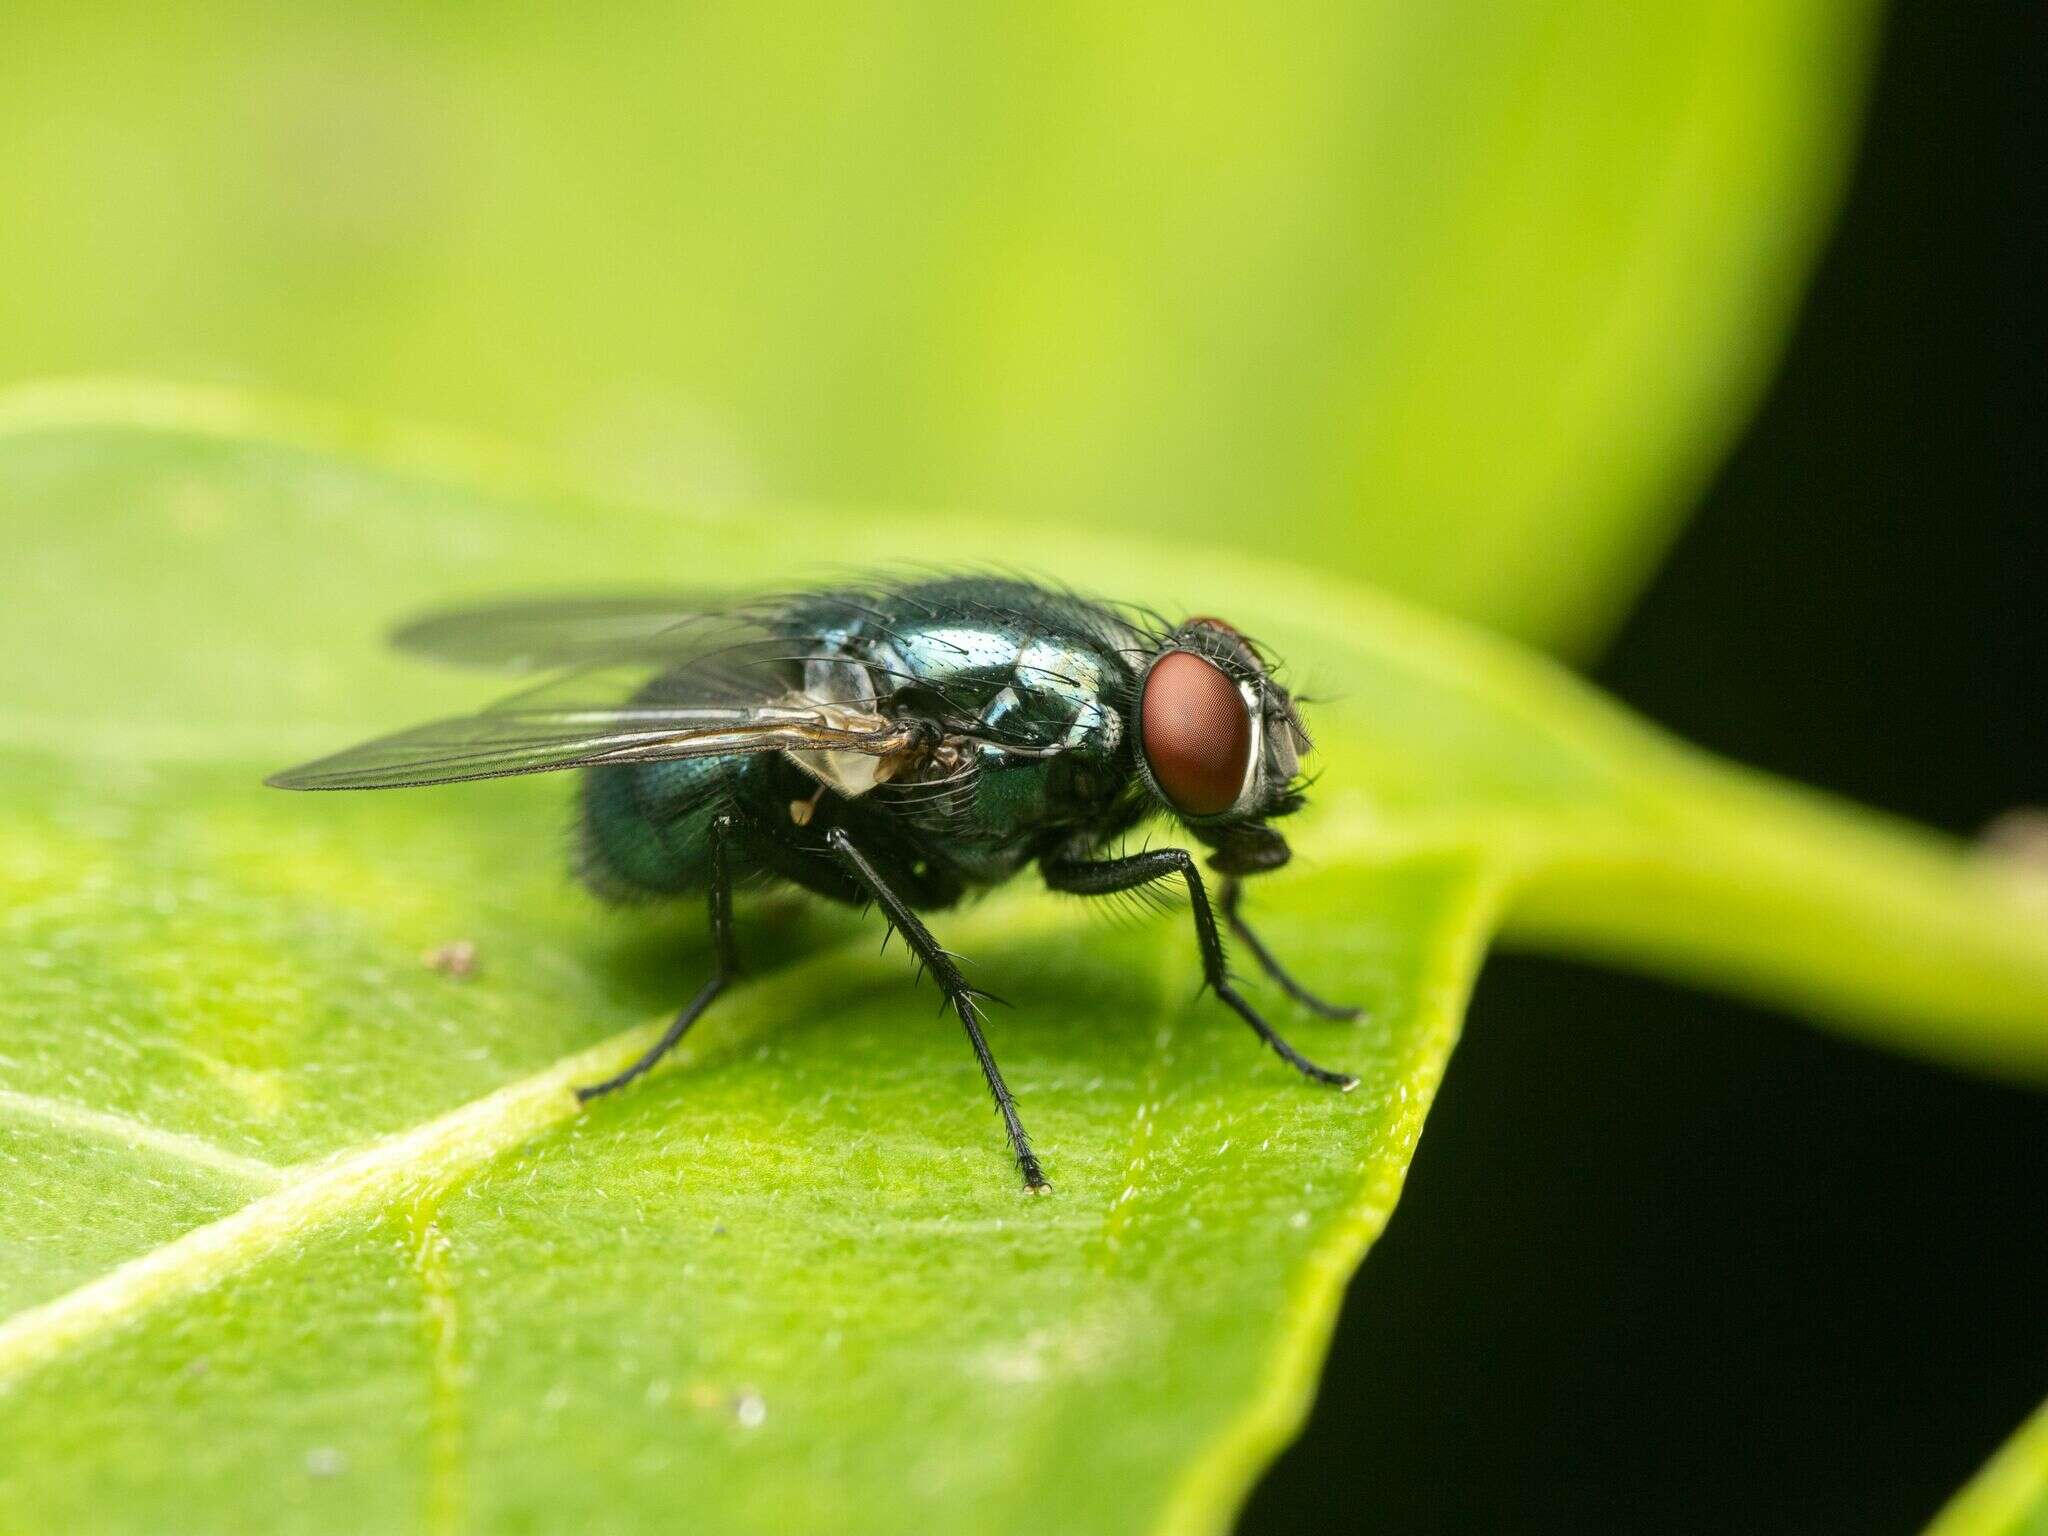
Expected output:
(1910, 940)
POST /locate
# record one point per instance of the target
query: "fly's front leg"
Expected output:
(724, 963)
(958, 993)
(1106, 877)
(1227, 899)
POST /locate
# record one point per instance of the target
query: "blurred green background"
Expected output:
(1464, 296)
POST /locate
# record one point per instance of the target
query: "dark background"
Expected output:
(1669, 1263)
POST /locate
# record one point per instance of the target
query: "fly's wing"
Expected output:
(539, 634)
(501, 742)
(732, 687)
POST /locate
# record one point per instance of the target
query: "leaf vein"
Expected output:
(103, 1125)
(430, 1156)
(447, 1377)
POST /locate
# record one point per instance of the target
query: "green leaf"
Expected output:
(302, 1232)
(1466, 295)
(2010, 1496)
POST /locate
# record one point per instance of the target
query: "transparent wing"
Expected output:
(540, 738)
(648, 678)
(538, 634)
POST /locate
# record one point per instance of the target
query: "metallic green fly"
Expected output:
(894, 744)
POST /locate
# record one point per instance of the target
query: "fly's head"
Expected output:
(1220, 743)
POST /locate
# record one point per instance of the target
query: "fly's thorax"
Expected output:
(1002, 683)
(1009, 675)
(1029, 693)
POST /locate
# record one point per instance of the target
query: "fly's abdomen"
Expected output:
(645, 827)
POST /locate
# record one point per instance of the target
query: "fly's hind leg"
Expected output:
(1227, 900)
(958, 993)
(1105, 877)
(724, 964)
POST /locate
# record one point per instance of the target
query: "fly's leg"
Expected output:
(1227, 899)
(958, 993)
(1106, 877)
(724, 965)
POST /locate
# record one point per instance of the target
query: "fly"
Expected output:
(894, 745)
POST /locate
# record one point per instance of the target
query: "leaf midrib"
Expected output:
(418, 1162)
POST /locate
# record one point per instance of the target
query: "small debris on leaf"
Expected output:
(456, 958)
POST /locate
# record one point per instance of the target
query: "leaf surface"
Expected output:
(2009, 1497)
(303, 1232)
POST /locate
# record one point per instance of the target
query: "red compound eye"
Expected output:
(1196, 733)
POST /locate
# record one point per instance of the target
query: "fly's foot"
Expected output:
(1034, 1177)
(1342, 1081)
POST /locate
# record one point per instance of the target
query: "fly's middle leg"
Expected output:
(958, 992)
